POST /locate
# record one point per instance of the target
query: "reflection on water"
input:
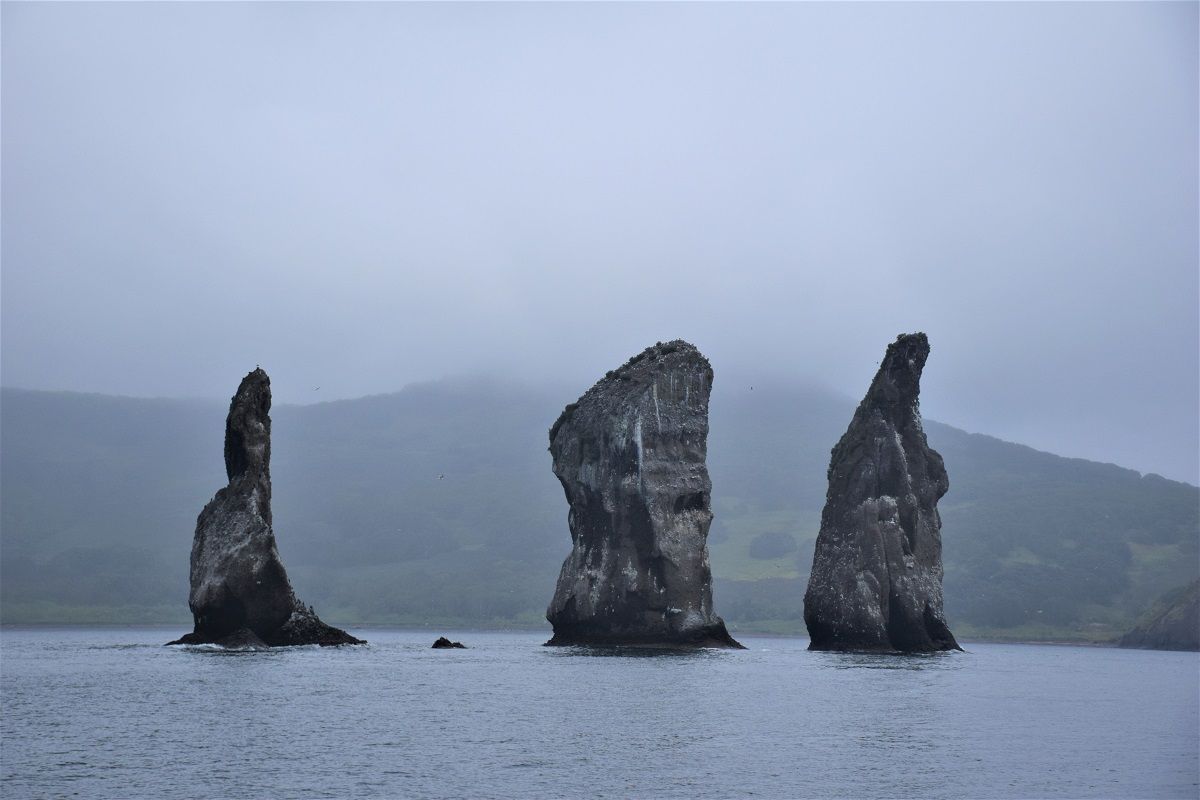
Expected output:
(636, 651)
(903, 661)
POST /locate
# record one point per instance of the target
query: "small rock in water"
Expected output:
(443, 643)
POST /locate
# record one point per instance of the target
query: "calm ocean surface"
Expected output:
(111, 713)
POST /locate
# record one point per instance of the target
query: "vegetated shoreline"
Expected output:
(1081, 524)
(544, 628)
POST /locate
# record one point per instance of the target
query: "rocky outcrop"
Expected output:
(1173, 623)
(240, 592)
(630, 455)
(443, 643)
(876, 582)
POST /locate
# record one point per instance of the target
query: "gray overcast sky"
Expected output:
(358, 196)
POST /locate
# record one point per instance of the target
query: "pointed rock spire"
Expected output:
(239, 589)
(248, 430)
(876, 581)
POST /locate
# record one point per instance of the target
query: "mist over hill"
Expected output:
(436, 505)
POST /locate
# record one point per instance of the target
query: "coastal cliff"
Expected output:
(1173, 623)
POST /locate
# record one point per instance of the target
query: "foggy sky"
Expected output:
(359, 196)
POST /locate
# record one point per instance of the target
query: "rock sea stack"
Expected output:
(240, 592)
(443, 643)
(876, 582)
(630, 455)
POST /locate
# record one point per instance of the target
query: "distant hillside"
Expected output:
(99, 495)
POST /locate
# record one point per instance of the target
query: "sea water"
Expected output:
(112, 713)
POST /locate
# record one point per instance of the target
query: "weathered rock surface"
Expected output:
(1173, 623)
(443, 643)
(876, 582)
(239, 589)
(630, 455)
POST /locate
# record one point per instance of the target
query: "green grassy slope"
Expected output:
(98, 499)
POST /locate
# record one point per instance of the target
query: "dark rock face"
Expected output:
(445, 644)
(630, 455)
(239, 588)
(1173, 624)
(876, 582)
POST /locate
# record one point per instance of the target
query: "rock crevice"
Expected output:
(239, 589)
(630, 455)
(876, 581)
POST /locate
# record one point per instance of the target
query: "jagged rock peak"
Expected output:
(876, 581)
(248, 428)
(630, 455)
(240, 591)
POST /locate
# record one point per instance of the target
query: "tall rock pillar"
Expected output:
(876, 581)
(240, 593)
(630, 455)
